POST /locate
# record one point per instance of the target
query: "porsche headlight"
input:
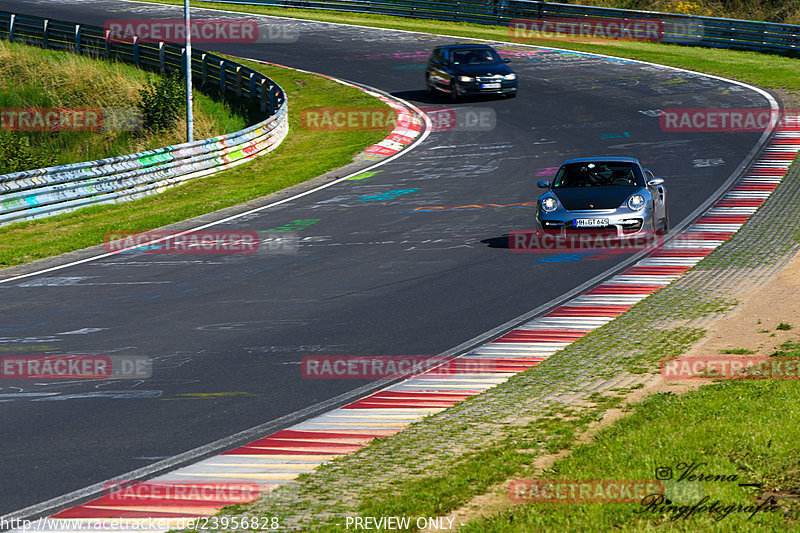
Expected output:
(636, 202)
(549, 204)
(510, 77)
(465, 79)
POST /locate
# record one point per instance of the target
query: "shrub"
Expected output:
(16, 154)
(161, 102)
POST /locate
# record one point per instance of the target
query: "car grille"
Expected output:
(633, 227)
(489, 79)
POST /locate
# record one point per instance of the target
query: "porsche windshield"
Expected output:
(475, 56)
(599, 174)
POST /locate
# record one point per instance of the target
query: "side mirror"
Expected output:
(655, 182)
(544, 184)
(506, 60)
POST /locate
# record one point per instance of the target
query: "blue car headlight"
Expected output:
(636, 202)
(549, 204)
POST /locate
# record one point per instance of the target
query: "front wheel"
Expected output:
(429, 85)
(453, 91)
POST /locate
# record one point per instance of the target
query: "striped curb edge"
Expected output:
(241, 474)
(408, 127)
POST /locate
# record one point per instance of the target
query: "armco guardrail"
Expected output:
(684, 29)
(43, 192)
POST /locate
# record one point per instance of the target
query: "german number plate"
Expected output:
(590, 222)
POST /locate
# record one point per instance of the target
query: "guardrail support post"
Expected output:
(107, 34)
(11, 28)
(77, 38)
(273, 103)
(161, 65)
(44, 33)
(264, 96)
(222, 75)
(238, 81)
(205, 68)
(252, 87)
(136, 50)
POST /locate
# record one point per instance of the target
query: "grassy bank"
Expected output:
(31, 77)
(288, 165)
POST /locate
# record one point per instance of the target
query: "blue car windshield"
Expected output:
(599, 174)
(475, 56)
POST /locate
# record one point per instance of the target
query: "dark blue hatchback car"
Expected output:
(467, 69)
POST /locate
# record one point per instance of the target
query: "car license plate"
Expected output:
(590, 222)
(490, 85)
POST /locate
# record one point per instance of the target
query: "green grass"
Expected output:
(727, 429)
(32, 77)
(288, 165)
(784, 11)
(787, 349)
(738, 351)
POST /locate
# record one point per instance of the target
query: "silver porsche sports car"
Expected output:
(603, 193)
